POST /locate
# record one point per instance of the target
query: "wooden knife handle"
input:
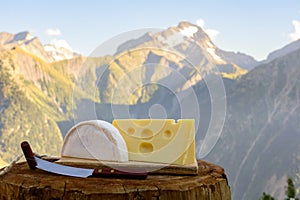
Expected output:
(28, 155)
(114, 173)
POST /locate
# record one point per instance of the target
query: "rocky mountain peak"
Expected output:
(175, 36)
(58, 52)
(184, 24)
(182, 33)
(31, 44)
(5, 37)
(22, 37)
(191, 30)
(194, 44)
(9, 39)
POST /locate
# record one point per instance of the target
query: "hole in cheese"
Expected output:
(147, 134)
(130, 131)
(142, 122)
(146, 147)
(168, 133)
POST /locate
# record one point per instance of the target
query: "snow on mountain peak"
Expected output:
(189, 31)
(61, 44)
(175, 35)
(218, 59)
(59, 50)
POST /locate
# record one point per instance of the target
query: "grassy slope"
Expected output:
(36, 95)
(21, 119)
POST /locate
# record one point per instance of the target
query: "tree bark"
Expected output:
(23, 183)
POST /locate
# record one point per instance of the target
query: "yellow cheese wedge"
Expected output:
(159, 140)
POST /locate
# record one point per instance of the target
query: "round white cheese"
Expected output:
(95, 139)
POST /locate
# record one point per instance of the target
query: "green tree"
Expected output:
(266, 197)
(290, 190)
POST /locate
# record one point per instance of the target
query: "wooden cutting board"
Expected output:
(152, 168)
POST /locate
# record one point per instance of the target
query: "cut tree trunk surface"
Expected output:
(23, 183)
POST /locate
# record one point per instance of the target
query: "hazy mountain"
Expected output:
(243, 60)
(284, 51)
(260, 145)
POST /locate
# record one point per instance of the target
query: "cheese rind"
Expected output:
(159, 140)
(95, 139)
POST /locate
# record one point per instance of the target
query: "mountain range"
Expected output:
(32, 45)
(262, 140)
(45, 89)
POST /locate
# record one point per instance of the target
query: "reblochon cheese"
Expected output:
(159, 140)
(95, 139)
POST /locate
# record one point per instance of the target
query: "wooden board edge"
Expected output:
(152, 168)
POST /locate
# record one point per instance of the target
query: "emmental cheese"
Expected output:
(159, 140)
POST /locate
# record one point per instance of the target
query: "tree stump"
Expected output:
(23, 183)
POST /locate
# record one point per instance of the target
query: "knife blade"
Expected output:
(35, 162)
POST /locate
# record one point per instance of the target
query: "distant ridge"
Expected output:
(49, 52)
(293, 46)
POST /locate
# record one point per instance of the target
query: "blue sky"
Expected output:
(254, 27)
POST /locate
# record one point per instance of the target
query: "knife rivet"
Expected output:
(112, 171)
(99, 170)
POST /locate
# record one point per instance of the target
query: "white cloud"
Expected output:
(53, 32)
(61, 43)
(296, 34)
(200, 22)
(212, 33)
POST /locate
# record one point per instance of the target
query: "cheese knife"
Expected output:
(35, 162)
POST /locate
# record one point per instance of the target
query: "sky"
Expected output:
(255, 27)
